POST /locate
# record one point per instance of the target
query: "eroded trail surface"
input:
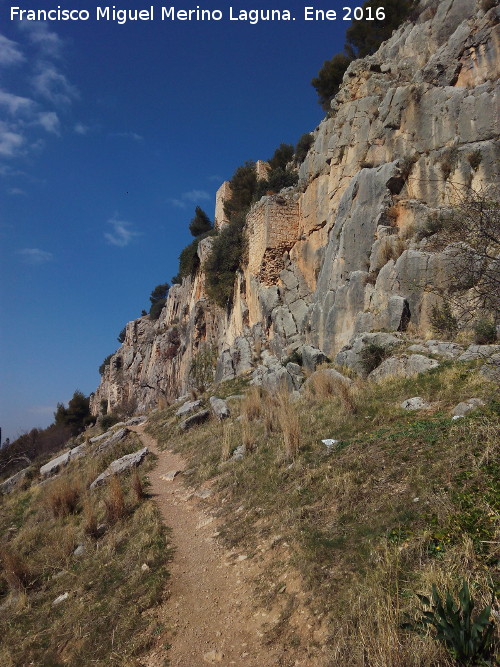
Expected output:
(210, 615)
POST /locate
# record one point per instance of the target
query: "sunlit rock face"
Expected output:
(339, 254)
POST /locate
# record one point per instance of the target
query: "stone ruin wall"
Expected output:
(272, 227)
(223, 195)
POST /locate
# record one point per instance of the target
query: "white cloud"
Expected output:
(122, 233)
(128, 135)
(49, 121)
(54, 86)
(189, 197)
(15, 103)
(80, 128)
(11, 141)
(16, 192)
(39, 34)
(35, 256)
(10, 53)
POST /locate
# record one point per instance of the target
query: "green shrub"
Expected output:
(443, 322)
(364, 37)
(302, 148)
(282, 156)
(277, 179)
(468, 639)
(224, 260)
(485, 332)
(121, 335)
(243, 185)
(76, 416)
(432, 225)
(158, 299)
(329, 78)
(105, 363)
(109, 420)
(372, 356)
(201, 223)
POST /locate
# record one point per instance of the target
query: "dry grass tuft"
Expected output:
(15, 570)
(251, 406)
(115, 501)
(62, 497)
(90, 518)
(288, 418)
(227, 432)
(137, 487)
(247, 434)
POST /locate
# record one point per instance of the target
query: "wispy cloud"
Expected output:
(10, 53)
(35, 256)
(128, 135)
(53, 85)
(189, 197)
(39, 34)
(82, 129)
(49, 120)
(11, 141)
(122, 234)
(17, 192)
(14, 103)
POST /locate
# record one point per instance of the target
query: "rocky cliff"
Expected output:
(341, 253)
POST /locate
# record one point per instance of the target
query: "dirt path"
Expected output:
(209, 615)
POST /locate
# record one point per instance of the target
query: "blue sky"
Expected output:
(109, 137)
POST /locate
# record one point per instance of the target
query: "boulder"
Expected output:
(194, 420)
(120, 465)
(467, 406)
(117, 436)
(405, 365)
(312, 357)
(479, 352)
(415, 403)
(491, 369)
(8, 485)
(219, 408)
(53, 466)
(351, 355)
(188, 407)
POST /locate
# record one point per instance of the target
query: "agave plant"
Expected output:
(468, 640)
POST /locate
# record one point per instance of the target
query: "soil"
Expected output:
(210, 615)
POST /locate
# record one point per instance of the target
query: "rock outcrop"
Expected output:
(341, 254)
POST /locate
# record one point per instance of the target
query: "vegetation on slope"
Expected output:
(403, 501)
(119, 574)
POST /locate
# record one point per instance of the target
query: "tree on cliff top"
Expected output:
(158, 299)
(76, 416)
(201, 223)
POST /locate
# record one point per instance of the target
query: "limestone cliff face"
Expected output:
(339, 254)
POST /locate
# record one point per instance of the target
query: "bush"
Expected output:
(76, 416)
(468, 639)
(364, 37)
(372, 356)
(329, 78)
(277, 179)
(121, 335)
(302, 148)
(224, 261)
(109, 420)
(201, 223)
(485, 332)
(105, 363)
(158, 299)
(443, 322)
(243, 185)
(282, 156)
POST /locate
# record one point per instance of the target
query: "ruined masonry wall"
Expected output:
(223, 195)
(273, 226)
